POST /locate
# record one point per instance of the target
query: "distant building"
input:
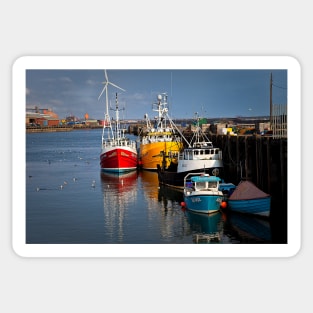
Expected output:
(92, 122)
(41, 117)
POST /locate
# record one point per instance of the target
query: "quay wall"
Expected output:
(262, 160)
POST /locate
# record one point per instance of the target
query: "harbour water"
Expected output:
(69, 201)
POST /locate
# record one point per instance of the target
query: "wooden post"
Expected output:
(282, 163)
(261, 163)
(271, 101)
(237, 158)
(246, 158)
(257, 161)
(268, 159)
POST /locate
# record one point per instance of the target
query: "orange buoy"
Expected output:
(183, 204)
(223, 204)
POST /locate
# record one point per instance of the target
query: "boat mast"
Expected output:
(107, 120)
(161, 108)
(118, 130)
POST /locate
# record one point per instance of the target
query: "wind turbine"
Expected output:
(105, 88)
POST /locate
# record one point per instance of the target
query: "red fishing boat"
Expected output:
(118, 153)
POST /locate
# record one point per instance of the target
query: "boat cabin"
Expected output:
(204, 182)
(202, 153)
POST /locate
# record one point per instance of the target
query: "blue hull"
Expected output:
(203, 203)
(204, 223)
(261, 206)
(250, 227)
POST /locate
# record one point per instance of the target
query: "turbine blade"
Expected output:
(102, 91)
(106, 75)
(116, 86)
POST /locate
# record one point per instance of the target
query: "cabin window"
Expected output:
(212, 184)
(200, 185)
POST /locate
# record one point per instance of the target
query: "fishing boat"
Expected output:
(201, 193)
(199, 155)
(248, 198)
(161, 144)
(118, 153)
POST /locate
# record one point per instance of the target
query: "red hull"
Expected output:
(118, 160)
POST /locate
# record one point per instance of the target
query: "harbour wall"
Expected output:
(262, 160)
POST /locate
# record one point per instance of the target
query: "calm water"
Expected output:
(68, 200)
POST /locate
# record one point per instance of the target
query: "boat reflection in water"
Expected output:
(150, 183)
(243, 228)
(164, 215)
(206, 228)
(153, 191)
(139, 210)
(169, 196)
(119, 196)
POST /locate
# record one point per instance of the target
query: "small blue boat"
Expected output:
(201, 193)
(248, 198)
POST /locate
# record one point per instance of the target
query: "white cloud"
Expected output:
(65, 79)
(91, 82)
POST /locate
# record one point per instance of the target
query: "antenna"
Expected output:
(171, 101)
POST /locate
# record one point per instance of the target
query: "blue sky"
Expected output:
(211, 93)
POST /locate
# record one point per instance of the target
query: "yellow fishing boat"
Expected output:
(161, 143)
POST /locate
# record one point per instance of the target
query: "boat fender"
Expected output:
(223, 204)
(183, 204)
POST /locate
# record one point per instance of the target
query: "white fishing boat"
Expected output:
(199, 155)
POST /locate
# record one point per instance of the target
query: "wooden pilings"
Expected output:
(262, 160)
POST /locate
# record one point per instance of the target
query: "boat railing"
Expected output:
(200, 154)
(116, 143)
(203, 144)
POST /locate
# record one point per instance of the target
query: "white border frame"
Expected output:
(154, 250)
